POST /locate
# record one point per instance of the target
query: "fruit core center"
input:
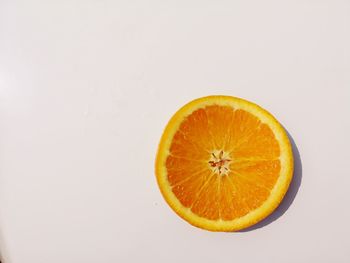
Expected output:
(219, 162)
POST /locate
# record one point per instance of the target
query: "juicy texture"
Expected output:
(223, 163)
(254, 168)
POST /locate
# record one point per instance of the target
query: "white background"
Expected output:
(86, 88)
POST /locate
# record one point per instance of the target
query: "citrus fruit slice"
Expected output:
(223, 163)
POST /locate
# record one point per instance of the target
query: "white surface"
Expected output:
(87, 87)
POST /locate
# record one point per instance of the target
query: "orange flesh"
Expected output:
(246, 161)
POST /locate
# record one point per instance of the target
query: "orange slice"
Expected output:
(223, 163)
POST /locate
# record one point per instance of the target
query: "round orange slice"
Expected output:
(223, 163)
